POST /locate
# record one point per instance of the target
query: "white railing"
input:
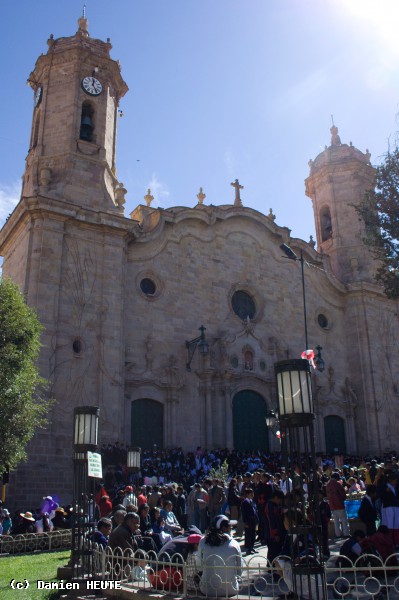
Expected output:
(35, 542)
(368, 578)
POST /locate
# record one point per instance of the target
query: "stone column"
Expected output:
(208, 412)
(228, 406)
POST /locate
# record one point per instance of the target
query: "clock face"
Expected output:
(38, 96)
(92, 86)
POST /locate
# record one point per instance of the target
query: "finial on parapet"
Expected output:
(201, 196)
(335, 139)
(82, 23)
(148, 197)
(236, 185)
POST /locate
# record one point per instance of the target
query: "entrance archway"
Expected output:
(146, 423)
(334, 431)
(249, 424)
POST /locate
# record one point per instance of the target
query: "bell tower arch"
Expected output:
(77, 89)
(339, 177)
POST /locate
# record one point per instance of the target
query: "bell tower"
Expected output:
(77, 88)
(338, 179)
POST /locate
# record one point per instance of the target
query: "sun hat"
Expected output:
(28, 516)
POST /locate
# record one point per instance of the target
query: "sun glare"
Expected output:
(382, 16)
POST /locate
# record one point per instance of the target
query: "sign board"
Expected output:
(94, 466)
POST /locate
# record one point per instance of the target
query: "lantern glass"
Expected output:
(294, 387)
(86, 426)
(133, 458)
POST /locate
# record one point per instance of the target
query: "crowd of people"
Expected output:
(179, 503)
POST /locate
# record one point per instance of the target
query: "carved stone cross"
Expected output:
(238, 187)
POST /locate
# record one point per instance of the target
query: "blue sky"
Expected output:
(219, 89)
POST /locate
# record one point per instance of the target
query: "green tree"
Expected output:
(221, 473)
(380, 212)
(23, 404)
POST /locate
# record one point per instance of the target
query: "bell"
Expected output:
(86, 128)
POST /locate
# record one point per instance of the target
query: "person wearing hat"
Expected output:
(26, 524)
(220, 560)
(59, 520)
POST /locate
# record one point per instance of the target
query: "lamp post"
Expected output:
(85, 439)
(296, 417)
(289, 253)
(192, 345)
(133, 462)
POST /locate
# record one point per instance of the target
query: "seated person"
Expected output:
(351, 549)
(381, 542)
(172, 525)
(128, 535)
(101, 535)
(146, 526)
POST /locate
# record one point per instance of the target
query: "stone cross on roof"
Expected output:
(238, 187)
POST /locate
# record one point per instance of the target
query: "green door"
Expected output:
(334, 430)
(146, 423)
(249, 425)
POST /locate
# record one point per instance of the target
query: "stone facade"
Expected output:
(119, 297)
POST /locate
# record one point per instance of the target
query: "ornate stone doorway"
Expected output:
(146, 423)
(334, 431)
(249, 425)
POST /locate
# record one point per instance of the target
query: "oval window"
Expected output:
(148, 287)
(322, 321)
(243, 305)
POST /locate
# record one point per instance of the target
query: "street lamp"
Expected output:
(198, 342)
(296, 418)
(289, 253)
(133, 459)
(85, 439)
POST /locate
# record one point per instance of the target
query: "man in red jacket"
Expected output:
(336, 497)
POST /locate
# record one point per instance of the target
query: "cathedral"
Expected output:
(171, 320)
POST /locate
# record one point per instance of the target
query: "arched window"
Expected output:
(326, 224)
(87, 122)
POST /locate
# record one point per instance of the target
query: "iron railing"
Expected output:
(35, 542)
(369, 577)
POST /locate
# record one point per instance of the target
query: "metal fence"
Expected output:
(35, 542)
(368, 578)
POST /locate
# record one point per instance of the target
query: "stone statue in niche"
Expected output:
(248, 361)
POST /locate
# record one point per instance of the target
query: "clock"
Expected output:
(38, 96)
(92, 86)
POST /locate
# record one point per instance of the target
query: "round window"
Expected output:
(148, 287)
(322, 321)
(243, 305)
